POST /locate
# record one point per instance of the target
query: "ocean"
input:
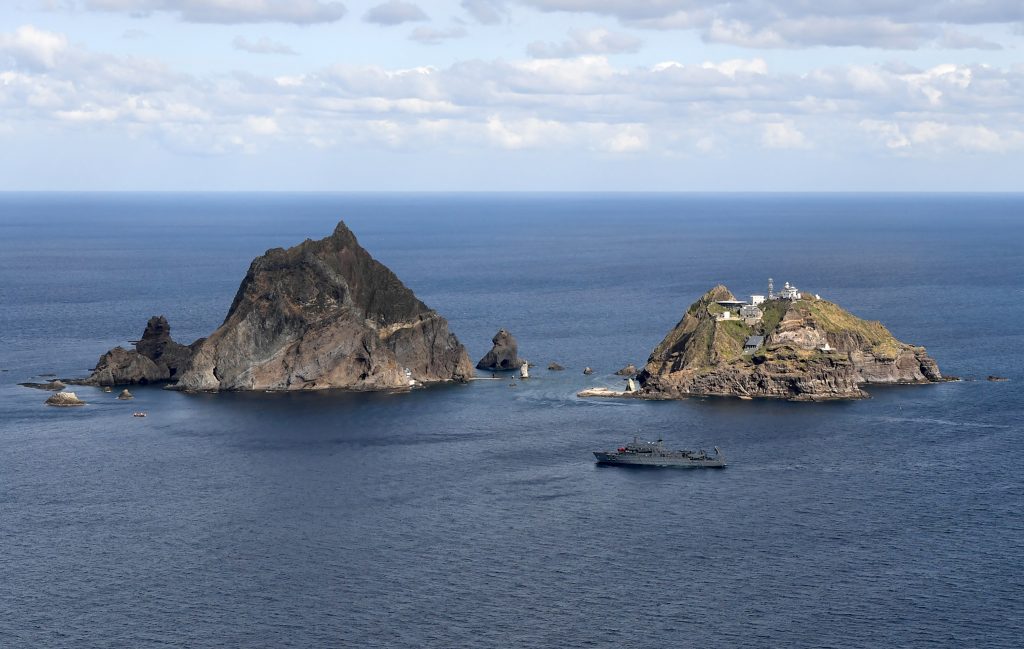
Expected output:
(474, 515)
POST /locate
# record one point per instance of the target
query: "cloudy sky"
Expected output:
(676, 95)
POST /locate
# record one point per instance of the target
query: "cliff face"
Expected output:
(811, 350)
(325, 314)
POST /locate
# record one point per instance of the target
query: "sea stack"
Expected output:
(155, 359)
(325, 314)
(800, 348)
(504, 354)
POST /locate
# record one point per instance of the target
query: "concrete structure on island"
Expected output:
(751, 314)
(752, 343)
(789, 293)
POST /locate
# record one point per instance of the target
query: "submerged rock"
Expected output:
(995, 378)
(54, 385)
(325, 314)
(629, 370)
(64, 399)
(125, 395)
(504, 354)
(555, 367)
(804, 349)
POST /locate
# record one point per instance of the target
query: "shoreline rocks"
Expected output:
(155, 359)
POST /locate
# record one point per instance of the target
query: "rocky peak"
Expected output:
(325, 314)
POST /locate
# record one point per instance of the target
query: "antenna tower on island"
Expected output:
(771, 289)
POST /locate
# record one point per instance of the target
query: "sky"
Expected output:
(512, 95)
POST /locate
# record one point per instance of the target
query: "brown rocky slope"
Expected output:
(812, 350)
(325, 314)
(322, 314)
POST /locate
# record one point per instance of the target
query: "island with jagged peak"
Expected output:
(322, 314)
(791, 345)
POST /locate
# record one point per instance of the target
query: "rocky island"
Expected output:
(322, 314)
(504, 354)
(793, 346)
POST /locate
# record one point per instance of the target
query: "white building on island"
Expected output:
(789, 293)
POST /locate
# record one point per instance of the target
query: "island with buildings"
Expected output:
(786, 345)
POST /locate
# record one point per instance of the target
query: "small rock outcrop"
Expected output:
(155, 359)
(125, 395)
(64, 400)
(325, 314)
(804, 349)
(555, 367)
(504, 354)
(996, 379)
(54, 385)
(588, 371)
(629, 370)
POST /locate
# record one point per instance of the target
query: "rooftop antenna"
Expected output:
(771, 289)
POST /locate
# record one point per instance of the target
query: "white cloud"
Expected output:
(732, 67)
(581, 42)
(783, 135)
(586, 104)
(954, 39)
(486, 12)
(395, 12)
(262, 45)
(302, 12)
(33, 48)
(888, 132)
(434, 36)
(631, 138)
(262, 125)
(797, 23)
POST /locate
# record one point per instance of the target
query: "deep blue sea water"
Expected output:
(474, 516)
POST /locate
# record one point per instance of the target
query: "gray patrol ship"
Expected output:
(639, 453)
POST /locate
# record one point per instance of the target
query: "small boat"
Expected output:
(639, 453)
(138, 414)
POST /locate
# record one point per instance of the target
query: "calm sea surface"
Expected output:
(474, 516)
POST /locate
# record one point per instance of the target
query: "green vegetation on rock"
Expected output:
(813, 349)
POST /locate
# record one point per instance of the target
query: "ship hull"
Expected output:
(681, 463)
